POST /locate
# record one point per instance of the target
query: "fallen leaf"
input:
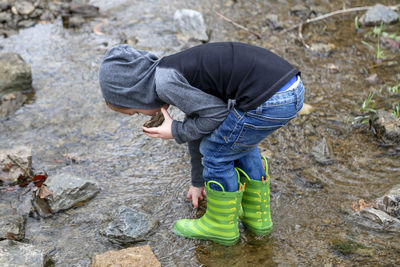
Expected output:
(39, 179)
(44, 192)
(362, 205)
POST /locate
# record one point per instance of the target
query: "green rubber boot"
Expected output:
(256, 215)
(220, 222)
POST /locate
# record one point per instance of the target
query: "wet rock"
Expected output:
(386, 126)
(11, 102)
(12, 227)
(68, 191)
(75, 15)
(4, 5)
(15, 73)
(14, 253)
(322, 50)
(129, 226)
(390, 202)
(5, 17)
(377, 14)
(141, 256)
(24, 7)
(10, 170)
(380, 220)
(300, 10)
(189, 24)
(273, 23)
(322, 153)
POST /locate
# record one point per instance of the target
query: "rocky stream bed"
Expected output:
(81, 185)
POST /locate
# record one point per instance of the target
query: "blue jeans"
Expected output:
(234, 142)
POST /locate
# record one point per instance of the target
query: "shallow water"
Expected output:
(311, 203)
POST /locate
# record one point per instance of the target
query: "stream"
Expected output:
(311, 203)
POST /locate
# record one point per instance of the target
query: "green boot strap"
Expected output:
(256, 213)
(220, 222)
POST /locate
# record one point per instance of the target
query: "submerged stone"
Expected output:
(390, 202)
(10, 103)
(386, 126)
(14, 253)
(68, 191)
(141, 256)
(10, 170)
(378, 14)
(12, 227)
(15, 73)
(380, 220)
(129, 226)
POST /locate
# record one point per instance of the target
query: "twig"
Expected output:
(238, 25)
(27, 172)
(337, 12)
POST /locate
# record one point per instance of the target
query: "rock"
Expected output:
(322, 50)
(10, 103)
(377, 14)
(306, 109)
(141, 256)
(5, 17)
(322, 153)
(73, 22)
(24, 7)
(15, 73)
(14, 254)
(273, 23)
(390, 202)
(189, 24)
(372, 79)
(12, 227)
(8, 169)
(26, 23)
(386, 126)
(84, 10)
(380, 220)
(300, 10)
(4, 6)
(68, 191)
(129, 226)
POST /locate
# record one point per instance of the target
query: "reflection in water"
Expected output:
(311, 202)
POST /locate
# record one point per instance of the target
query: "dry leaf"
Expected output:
(44, 192)
(362, 205)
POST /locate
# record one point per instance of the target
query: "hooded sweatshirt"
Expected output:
(127, 78)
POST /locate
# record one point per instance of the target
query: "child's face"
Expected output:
(132, 111)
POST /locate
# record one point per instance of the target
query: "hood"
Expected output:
(127, 78)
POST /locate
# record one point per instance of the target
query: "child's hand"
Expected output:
(164, 131)
(195, 194)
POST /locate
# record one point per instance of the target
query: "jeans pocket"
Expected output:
(251, 135)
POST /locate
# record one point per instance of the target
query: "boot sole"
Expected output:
(222, 241)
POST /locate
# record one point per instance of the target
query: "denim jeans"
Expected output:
(234, 142)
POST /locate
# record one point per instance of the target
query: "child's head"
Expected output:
(127, 80)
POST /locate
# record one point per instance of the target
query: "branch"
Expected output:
(342, 11)
(27, 172)
(238, 25)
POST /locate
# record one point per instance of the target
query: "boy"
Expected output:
(233, 95)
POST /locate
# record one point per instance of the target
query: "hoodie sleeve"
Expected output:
(204, 112)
